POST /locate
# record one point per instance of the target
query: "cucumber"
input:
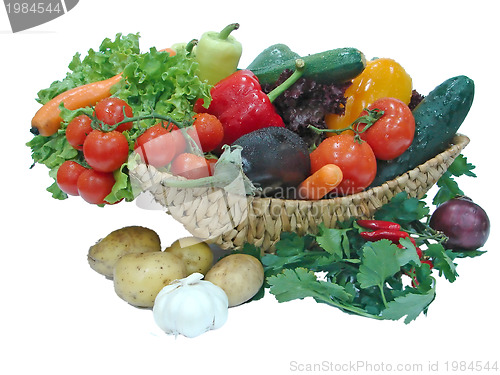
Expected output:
(333, 66)
(273, 55)
(437, 119)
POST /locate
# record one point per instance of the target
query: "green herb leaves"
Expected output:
(380, 260)
(376, 279)
(300, 283)
(410, 305)
(448, 187)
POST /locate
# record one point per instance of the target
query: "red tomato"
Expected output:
(355, 159)
(77, 130)
(209, 131)
(391, 134)
(190, 166)
(105, 151)
(110, 111)
(179, 139)
(158, 145)
(94, 186)
(67, 176)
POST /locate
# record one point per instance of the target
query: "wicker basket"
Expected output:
(230, 221)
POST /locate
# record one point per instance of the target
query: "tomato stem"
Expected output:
(156, 116)
(367, 120)
(102, 126)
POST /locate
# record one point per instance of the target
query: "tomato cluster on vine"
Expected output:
(102, 140)
(383, 131)
(104, 151)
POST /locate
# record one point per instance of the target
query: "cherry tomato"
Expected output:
(110, 111)
(178, 138)
(391, 134)
(209, 131)
(190, 166)
(67, 176)
(94, 186)
(158, 145)
(105, 151)
(77, 130)
(354, 157)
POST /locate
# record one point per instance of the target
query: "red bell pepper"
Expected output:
(242, 107)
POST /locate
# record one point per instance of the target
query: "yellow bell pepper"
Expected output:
(381, 78)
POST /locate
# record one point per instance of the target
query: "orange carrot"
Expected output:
(48, 120)
(170, 51)
(321, 182)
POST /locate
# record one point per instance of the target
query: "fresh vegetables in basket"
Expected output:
(320, 144)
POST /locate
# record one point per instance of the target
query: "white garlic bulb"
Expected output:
(190, 306)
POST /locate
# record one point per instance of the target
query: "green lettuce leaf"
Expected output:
(109, 60)
(167, 85)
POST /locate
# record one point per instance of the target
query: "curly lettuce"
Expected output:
(110, 59)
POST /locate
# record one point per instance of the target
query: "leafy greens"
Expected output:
(379, 280)
(151, 81)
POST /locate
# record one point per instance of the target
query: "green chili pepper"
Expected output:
(218, 54)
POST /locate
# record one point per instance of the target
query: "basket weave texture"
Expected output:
(230, 221)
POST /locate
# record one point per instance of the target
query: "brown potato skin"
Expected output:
(138, 278)
(128, 240)
(196, 254)
(240, 275)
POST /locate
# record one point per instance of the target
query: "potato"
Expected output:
(129, 240)
(196, 254)
(138, 278)
(240, 275)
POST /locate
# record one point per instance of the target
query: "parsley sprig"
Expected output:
(377, 280)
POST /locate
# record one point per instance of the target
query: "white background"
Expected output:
(60, 317)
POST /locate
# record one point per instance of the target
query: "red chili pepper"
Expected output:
(419, 251)
(429, 262)
(385, 234)
(241, 106)
(379, 224)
